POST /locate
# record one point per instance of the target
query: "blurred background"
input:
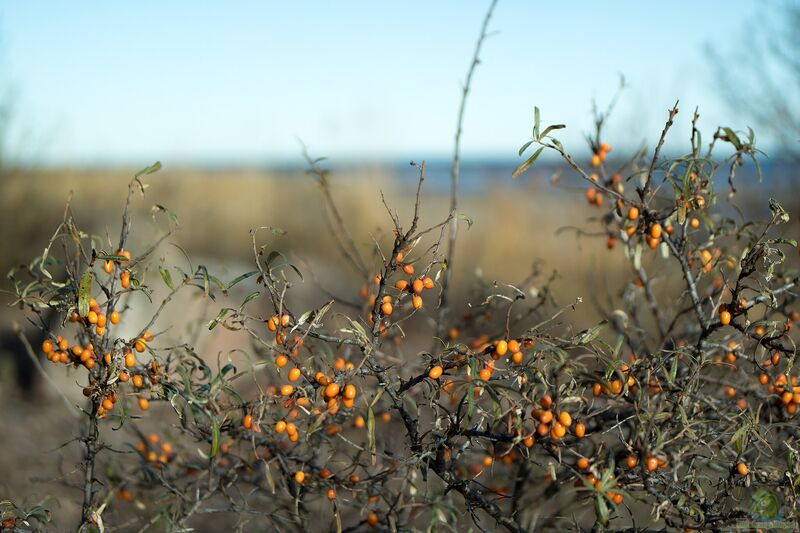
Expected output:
(225, 95)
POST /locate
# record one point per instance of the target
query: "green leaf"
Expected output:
(733, 138)
(165, 275)
(218, 319)
(84, 292)
(587, 336)
(112, 257)
(527, 164)
(241, 278)
(250, 297)
(548, 129)
(204, 272)
(155, 167)
(371, 431)
(536, 120)
(214, 436)
(524, 147)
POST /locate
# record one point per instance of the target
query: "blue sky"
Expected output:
(238, 82)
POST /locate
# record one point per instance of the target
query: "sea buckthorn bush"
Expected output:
(676, 411)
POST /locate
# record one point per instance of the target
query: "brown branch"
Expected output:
(454, 178)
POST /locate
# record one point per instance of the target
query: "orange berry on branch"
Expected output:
(417, 286)
(331, 390)
(435, 372)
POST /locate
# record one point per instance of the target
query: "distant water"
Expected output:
(476, 176)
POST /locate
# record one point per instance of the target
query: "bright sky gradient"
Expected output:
(238, 82)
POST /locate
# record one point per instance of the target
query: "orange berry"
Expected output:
(140, 345)
(651, 463)
(137, 381)
(401, 285)
(280, 426)
(517, 357)
(633, 213)
(372, 519)
(417, 286)
(694, 223)
(294, 374)
(47, 346)
(281, 360)
(331, 390)
(125, 279)
(546, 401)
(349, 392)
(655, 231)
(565, 419)
(583, 463)
(416, 301)
(501, 348)
(427, 282)
(631, 461)
(359, 422)
(742, 469)
(247, 421)
(386, 308)
(287, 390)
(92, 317)
(144, 405)
(595, 161)
(123, 376)
(408, 268)
(580, 430)
(724, 317)
(130, 359)
(299, 477)
(331, 494)
(435, 372)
